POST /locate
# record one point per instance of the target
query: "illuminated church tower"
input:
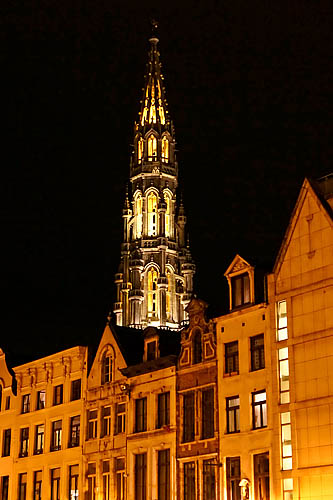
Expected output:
(155, 277)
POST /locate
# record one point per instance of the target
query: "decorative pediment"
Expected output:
(240, 276)
(237, 266)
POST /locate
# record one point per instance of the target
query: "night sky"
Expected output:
(249, 89)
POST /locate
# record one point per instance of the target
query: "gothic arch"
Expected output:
(138, 213)
(106, 360)
(152, 199)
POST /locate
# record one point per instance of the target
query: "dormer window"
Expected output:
(151, 350)
(107, 362)
(240, 290)
(152, 148)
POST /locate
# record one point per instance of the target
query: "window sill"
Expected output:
(231, 374)
(258, 428)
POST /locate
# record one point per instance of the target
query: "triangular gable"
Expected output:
(238, 265)
(307, 205)
(108, 342)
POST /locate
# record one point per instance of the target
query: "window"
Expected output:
(7, 403)
(152, 148)
(140, 150)
(58, 395)
(207, 412)
(120, 417)
(231, 358)
(167, 199)
(287, 452)
(152, 214)
(233, 424)
(26, 403)
(165, 150)
(168, 296)
(141, 415)
(106, 421)
(37, 485)
(240, 290)
(73, 482)
(281, 320)
(151, 350)
(188, 417)
(120, 478)
(6, 442)
(91, 481)
(257, 352)
(22, 486)
(163, 409)
(40, 400)
(39, 439)
(261, 476)
(197, 347)
(189, 481)
(288, 486)
(138, 215)
(75, 389)
(24, 442)
(74, 432)
(233, 478)
(163, 474)
(141, 476)
(284, 375)
(4, 487)
(92, 424)
(106, 368)
(208, 479)
(55, 484)
(106, 480)
(56, 435)
(152, 292)
(259, 410)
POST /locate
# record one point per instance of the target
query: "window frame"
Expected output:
(262, 405)
(41, 399)
(257, 352)
(231, 359)
(207, 413)
(26, 398)
(92, 421)
(233, 412)
(56, 435)
(120, 418)
(6, 444)
(244, 291)
(233, 479)
(55, 477)
(76, 389)
(163, 474)
(140, 476)
(58, 394)
(74, 431)
(163, 409)
(24, 442)
(141, 414)
(106, 421)
(39, 439)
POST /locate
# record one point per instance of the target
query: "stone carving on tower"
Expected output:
(155, 277)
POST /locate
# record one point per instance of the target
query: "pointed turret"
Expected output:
(155, 280)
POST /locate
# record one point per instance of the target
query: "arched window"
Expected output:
(140, 150)
(165, 150)
(152, 214)
(138, 216)
(197, 347)
(169, 295)
(167, 199)
(152, 148)
(152, 292)
(106, 368)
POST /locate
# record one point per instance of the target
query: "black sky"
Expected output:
(249, 89)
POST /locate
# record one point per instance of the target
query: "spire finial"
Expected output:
(154, 27)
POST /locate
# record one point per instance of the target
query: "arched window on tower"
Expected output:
(138, 215)
(152, 214)
(106, 367)
(169, 295)
(197, 347)
(165, 150)
(140, 150)
(152, 292)
(167, 199)
(152, 148)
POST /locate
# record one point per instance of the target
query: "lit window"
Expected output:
(152, 214)
(138, 216)
(286, 441)
(284, 375)
(74, 432)
(152, 109)
(140, 150)
(240, 290)
(152, 292)
(55, 484)
(4, 492)
(107, 481)
(152, 148)
(39, 439)
(106, 421)
(167, 199)
(106, 368)
(22, 486)
(26, 403)
(261, 476)
(231, 358)
(169, 295)
(257, 353)
(232, 407)
(281, 320)
(165, 150)
(233, 478)
(73, 482)
(24, 442)
(37, 493)
(56, 435)
(288, 486)
(40, 400)
(259, 410)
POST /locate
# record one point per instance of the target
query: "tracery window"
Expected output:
(140, 150)
(152, 291)
(152, 214)
(165, 150)
(152, 148)
(138, 216)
